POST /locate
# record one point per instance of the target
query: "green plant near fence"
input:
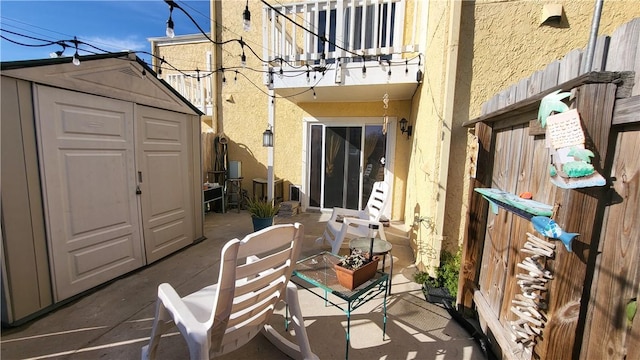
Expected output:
(446, 273)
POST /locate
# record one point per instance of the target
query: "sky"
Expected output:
(110, 25)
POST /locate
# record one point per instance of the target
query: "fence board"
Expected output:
(521, 177)
(476, 225)
(617, 276)
(624, 51)
(627, 111)
(550, 76)
(570, 66)
(600, 53)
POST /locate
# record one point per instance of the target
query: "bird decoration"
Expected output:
(552, 103)
(551, 229)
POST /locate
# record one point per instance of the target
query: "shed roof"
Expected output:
(115, 75)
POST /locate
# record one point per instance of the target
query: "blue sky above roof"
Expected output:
(110, 25)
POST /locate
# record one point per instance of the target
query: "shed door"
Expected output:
(88, 174)
(163, 166)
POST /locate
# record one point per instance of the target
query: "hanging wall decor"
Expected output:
(529, 306)
(570, 166)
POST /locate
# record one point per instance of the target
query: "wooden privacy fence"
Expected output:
(591, 287)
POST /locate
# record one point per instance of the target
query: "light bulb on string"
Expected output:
(170, 33)
(243, 60)
(159, 73)
(314, 94)
(235, 77)
(76, 57)
(246, 18)
(57, 54)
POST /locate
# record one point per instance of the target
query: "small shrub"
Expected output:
(449, 270)
(446, 274)
(262, 209)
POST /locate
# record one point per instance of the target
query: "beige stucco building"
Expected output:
(440, 62)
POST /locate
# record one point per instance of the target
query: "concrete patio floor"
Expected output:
(114, 321)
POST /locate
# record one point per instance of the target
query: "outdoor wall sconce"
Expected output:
(267, 137)
(404, 128)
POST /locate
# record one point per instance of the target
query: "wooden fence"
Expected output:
(592, 286)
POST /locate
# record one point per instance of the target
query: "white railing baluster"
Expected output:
(376, 27)
(316, 21)
(294, 45)
(363, 26)
(352, 24)
(388, 30)
(340, 8)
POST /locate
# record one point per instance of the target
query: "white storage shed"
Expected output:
(101, 167)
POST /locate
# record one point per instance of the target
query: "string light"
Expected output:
(159, 73)
(246, 18)
(314, 93)
(170, 33)
(76, 57)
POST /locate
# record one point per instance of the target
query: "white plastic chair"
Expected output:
(356, 222)
(254, 276)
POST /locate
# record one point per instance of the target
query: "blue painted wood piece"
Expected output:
(522, 207)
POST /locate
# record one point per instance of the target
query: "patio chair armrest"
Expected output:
(182, 315)
(347, 213)
(364, 222)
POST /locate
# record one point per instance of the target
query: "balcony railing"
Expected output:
(359, 28)
(198, 92)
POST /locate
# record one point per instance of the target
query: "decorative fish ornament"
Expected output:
(550, 229)
(552, 102)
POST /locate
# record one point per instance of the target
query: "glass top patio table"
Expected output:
(318, 270)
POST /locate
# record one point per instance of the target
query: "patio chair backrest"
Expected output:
(253, 276)
(377, 200)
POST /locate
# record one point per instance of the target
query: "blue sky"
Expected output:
(111, 25)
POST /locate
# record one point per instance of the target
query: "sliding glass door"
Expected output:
(345, 161)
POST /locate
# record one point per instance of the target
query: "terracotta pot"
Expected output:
(351, 279)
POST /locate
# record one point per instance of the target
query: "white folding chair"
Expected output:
(358, 221)
(254, 276)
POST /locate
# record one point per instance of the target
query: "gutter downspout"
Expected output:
(593, 36)
(455, 20)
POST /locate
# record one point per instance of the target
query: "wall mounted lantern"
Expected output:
(404, 128)
(267, 137)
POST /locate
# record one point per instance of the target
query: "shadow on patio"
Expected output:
(114, 321)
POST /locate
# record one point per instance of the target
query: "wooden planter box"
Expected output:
(351, 279)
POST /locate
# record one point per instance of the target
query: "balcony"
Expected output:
(198, 92)
(334, 50)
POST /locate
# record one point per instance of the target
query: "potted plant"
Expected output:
(355, 269)
(262, 213)
(444, 286)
